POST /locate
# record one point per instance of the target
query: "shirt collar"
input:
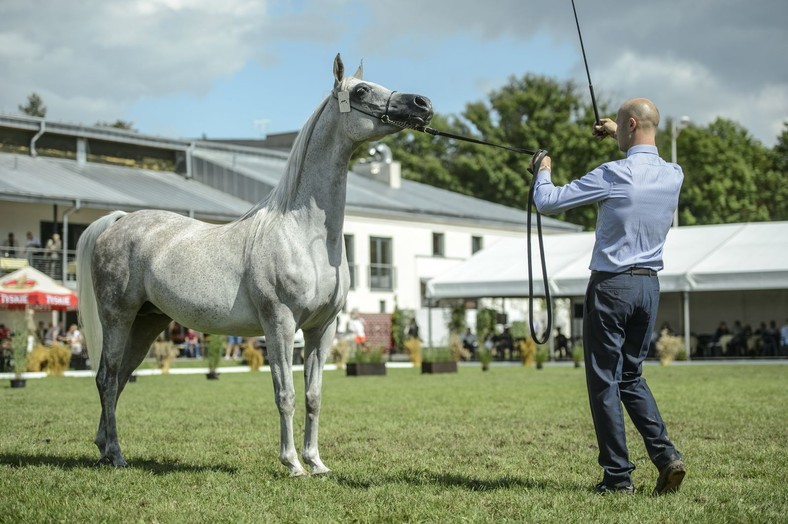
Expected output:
(642, 148)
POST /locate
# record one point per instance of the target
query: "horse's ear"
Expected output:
(339, 71)
(360, 70)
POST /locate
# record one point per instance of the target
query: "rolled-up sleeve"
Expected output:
(550, 199)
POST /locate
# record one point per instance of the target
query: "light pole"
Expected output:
(675, 129)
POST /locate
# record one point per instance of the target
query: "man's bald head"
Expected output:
(643, 110)
(637, 120)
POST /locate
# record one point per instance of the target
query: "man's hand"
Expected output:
(547, 163)
(605, 128)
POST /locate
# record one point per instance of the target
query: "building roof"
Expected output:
(221, 182)
(61, 181)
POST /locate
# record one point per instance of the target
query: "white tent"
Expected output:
(697, 258)
(728, 257)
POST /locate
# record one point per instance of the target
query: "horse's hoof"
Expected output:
(103, 461)
(107, 461)
(321, 472)
(298, 473)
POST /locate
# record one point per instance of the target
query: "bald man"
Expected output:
(636, 199)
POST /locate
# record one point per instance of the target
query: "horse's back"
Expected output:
(189, 270)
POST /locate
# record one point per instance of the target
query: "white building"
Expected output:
(398, 233)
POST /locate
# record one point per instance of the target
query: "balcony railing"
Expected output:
(382, 277)
(13, 258)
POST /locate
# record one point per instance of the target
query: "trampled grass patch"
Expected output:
(509, 445)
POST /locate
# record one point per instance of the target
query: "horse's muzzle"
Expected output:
(412, 110)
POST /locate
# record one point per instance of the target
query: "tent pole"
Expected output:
(429, 322)
(686, 324)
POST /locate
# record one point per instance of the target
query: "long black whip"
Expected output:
(585, 61)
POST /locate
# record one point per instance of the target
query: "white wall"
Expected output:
(412, 257)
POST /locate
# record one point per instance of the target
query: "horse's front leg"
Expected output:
(279, 340)
(316, 348)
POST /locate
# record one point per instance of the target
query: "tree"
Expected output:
(35, 106)
(773, 189)
(118, 124)
(724, 170)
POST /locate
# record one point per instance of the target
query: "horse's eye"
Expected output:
(362, 89)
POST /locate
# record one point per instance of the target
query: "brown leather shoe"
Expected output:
(670, 478)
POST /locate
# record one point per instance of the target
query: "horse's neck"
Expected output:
(323, 183)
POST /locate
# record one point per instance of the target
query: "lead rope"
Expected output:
(539, 156)
(537, 164)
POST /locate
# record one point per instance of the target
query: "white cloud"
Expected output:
(92, 60)
(99, 57)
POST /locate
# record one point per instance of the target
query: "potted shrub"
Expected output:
(214, 348)
(54, 359)
(164, 351)
(413, 348)
(438, 360)
(668, 347)
(485, 325)
(366, 361)
(577, 354)
(485, 357)
(19, 351)
(541, 356)
(340, 351)
(253, 356)
(527, 347)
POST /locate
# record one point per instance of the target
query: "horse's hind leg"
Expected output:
(116, 343)
(316, 351)
(114, 373)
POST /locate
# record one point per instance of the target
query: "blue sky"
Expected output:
(243, 68)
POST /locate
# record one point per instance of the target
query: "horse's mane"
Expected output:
(280, 199)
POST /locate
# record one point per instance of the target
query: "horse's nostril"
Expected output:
(422, 102)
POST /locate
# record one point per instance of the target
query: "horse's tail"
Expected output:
(90, 324)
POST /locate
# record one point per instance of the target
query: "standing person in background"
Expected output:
(413, 329)
(359, 329)
(53, 249)
(636, 198)
(32, 247)
(10, 247)
(191, 344)
(784, 338)
(74, 340)
(232, 347)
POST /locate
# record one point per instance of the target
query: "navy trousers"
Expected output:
(619, 316)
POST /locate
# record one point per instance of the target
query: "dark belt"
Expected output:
(642, 271)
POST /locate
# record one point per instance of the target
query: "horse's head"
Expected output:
(370, 111)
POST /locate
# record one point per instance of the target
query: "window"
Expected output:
(438, 249)
(476, 244)
(350, 253)
(381, 271)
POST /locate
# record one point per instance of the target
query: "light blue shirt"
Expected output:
(636, 199)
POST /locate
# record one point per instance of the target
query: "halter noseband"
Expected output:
(344, 98)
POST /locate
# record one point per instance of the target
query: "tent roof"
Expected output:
(30, 287)
(697, 258)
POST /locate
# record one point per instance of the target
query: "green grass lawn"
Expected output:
(509, 445)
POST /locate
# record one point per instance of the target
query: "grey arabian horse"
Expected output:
(278, 268)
